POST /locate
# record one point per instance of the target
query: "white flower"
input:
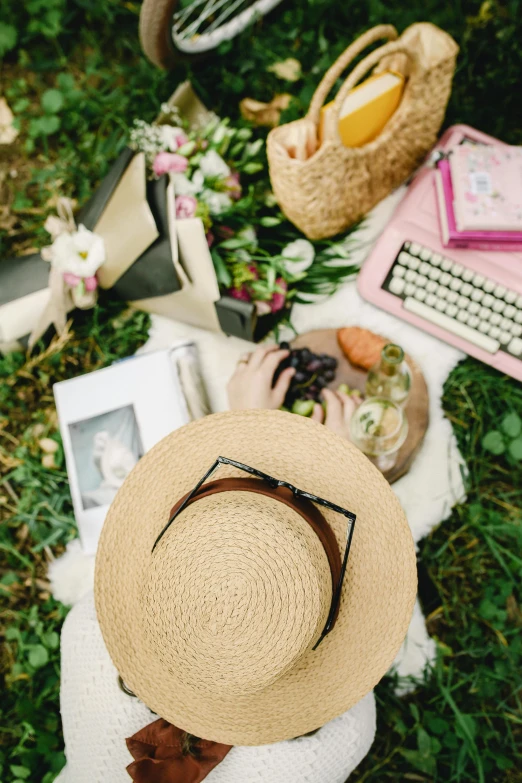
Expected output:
(182, 185)
(216, 202)
(249, 234)
(300, 255)
(213, 165)
(198, 180)
(172, 137)
(81, 253)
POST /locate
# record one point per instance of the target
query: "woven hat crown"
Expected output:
(235, 593)
(231, 599)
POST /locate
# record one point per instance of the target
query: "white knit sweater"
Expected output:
(97, 717)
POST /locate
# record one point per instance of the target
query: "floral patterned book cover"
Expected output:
(487, 185)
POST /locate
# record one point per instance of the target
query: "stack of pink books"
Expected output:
(479, 195)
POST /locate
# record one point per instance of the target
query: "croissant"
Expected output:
(361, 347)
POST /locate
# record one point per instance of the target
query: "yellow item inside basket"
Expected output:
(367, 108)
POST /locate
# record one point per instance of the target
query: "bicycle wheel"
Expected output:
(174, 29)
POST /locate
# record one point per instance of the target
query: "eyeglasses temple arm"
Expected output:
(189, 497)
(337, 593)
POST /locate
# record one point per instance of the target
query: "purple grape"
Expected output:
(314, 365)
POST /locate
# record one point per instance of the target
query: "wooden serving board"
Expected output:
(417, 405)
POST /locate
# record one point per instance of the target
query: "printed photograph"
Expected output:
(105, 450)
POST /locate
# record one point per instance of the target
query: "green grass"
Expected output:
(75, 78)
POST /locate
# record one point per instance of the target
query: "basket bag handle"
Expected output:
(342, 62)
(331, 130)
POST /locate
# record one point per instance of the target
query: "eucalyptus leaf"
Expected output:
(235, 243)
(515, 448)
(494, 442)
(222, 273)
(511, 425)
(38, 656)
(52, 101)
(8, 38)
(252, 168)
(51, 640)
(20, 772)
(269, 221)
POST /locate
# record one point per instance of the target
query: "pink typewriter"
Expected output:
(471, 299)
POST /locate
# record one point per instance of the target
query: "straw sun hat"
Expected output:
(214, 629)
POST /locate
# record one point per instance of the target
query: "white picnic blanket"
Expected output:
(433, 484)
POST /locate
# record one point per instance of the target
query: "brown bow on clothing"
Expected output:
(161, 758)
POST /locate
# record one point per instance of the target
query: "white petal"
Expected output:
(299, 256)
(83, 239)
(249, 234)
(300, 250)
(216, 202)
(198, 181)
(213, 165)
(63, 252)
(66, 250)
(95, 258)
(169, 136)
(182, 185)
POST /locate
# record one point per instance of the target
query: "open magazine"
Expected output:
(111, 417)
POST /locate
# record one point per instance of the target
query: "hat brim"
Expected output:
(378, 593)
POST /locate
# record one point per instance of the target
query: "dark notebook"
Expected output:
(153, 274)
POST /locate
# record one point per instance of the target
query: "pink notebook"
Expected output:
(451, 237)
(487, 187)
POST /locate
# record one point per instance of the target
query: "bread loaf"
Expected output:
(361, 347)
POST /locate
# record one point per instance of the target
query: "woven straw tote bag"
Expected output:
(336, 185)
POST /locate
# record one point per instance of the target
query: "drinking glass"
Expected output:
(379, 428)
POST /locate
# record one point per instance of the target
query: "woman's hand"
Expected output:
(251, 384)
(339, 411)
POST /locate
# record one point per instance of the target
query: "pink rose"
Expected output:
(244, 293)
(179, 138)
(210, 238)
(240, 293)
(185, 207)
(233, 185)
(168, 161)
(278, 299)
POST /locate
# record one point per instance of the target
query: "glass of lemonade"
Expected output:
(379, 428)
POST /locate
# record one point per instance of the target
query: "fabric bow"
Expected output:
(75, 255)
(160, 755)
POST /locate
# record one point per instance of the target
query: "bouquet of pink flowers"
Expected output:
(219, 175)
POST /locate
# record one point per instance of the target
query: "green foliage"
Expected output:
(465, 723)
(36, 514)
(507, 440)
(8, 38)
